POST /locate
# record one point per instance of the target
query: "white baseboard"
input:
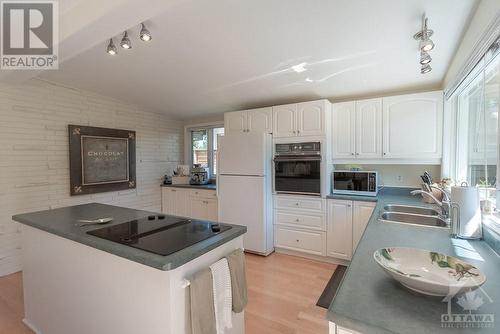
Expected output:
(30, 326)
(312, 257)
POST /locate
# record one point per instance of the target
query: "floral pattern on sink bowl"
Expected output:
(428, 272)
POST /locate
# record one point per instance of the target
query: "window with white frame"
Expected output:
(476, 104)
(203, 147)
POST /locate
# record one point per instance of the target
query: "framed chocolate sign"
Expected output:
(101, 159)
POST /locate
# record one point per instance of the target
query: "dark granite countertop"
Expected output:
(369, 301)
(209, 186)
(63, 222)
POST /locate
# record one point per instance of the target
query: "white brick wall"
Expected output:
(34, 164)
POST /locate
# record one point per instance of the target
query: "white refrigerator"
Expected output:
(244, 187)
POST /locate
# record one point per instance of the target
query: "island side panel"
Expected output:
(73, 288)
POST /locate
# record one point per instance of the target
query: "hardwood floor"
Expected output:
(282, 292)
(11, 305)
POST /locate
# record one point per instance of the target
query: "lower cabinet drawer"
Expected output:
(313, 221)
(312, 242)
(202, 193)
(299, 203)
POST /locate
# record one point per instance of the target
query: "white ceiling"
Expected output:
(211, 56)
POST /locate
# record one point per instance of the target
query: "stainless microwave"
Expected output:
(350, 182)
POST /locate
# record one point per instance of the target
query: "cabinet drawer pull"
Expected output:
(297, 220)
(297, 240)
(196, 192)
(173, 190)
(297, 204)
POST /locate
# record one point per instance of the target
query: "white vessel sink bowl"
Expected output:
(427, 272)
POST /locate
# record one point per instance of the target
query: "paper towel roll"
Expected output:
(469, 213)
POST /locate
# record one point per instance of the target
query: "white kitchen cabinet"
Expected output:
(300, 240)
(191, 203)
(175, 201)
(235, 121)
(302, 119)
(300, 224)
(362, 211)
(347, 221)
(260, 120)
(254, 120)
(285, 121)
(203, 208)
(412, 126)
(357, 129)
(339, 233)
(344, 130)
(369, 129)
(311, 118)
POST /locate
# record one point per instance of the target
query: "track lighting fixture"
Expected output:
(111, 48)
(425, 45)
(425, 58)
(425, 68)
(145, 35)
(125, 43)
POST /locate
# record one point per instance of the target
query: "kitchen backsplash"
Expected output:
(400, 175)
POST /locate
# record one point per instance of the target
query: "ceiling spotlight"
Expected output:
(425, 58)
(426, 44)
(125, 43)
(111, 48)
(145, 35)
(425, 69)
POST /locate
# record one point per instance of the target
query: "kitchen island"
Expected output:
(370, 302)
(78, 283)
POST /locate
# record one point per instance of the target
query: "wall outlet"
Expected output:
(399, 179)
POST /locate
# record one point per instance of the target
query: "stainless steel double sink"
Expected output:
(413, 215)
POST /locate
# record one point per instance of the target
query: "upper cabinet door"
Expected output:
(260, 120)
(413, 126)
(369, 129)
(343, 130)
(235, 121)
(285, 121)
(311, 118)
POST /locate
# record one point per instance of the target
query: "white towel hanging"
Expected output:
(223, 302)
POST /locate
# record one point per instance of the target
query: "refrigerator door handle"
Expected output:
(217, 174)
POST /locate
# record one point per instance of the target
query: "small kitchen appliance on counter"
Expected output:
(199, 175)
(351, 182)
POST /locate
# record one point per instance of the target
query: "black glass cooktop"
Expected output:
(160, 234)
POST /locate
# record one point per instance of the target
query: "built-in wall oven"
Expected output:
(297, 168)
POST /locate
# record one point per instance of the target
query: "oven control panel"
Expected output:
(309, 148)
